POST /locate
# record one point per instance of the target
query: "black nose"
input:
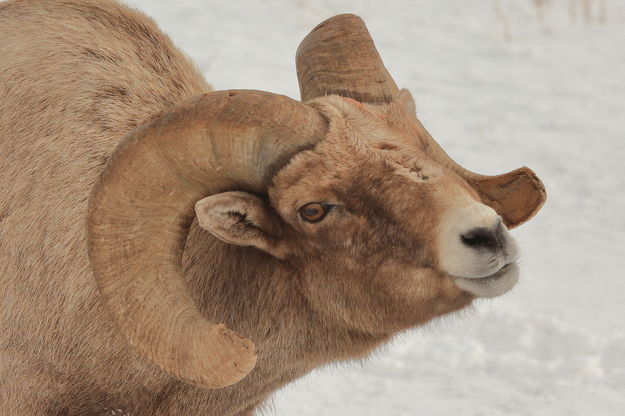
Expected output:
(485, 238)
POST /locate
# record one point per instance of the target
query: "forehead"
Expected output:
(378, 127)
(363, 153)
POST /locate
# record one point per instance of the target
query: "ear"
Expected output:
(516, 196)
(404, 98)
(242, 219)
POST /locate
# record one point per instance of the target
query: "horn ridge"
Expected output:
(339, 57)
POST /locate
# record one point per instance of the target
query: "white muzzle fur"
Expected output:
(477, 250)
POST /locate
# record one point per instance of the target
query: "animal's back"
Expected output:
(75, 76)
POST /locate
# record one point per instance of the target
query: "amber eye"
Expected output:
(314, 211)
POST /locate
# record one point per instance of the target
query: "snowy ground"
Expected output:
(500, 88)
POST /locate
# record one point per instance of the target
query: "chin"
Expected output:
(496, 284)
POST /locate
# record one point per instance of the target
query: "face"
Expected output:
(383, 237)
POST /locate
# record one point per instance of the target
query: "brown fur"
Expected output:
(75, 76)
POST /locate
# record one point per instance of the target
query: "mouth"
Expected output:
(492, 285)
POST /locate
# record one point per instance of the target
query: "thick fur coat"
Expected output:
(75, 77)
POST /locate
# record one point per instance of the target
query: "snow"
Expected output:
(500, 86)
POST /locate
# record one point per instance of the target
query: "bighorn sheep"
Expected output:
(324, 227)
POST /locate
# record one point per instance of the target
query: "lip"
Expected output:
(492, 285)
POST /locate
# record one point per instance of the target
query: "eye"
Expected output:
(314, 211)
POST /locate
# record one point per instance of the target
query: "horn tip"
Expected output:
(339, 19)
(233, 365)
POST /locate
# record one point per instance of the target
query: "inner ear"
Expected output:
(242, 219)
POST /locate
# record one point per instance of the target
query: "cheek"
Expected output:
(419, 295)
(342, 238)
(419, 285)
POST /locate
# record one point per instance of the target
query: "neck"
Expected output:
(257, 296)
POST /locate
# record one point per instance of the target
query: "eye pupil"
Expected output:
(311, 212)
(314, 211)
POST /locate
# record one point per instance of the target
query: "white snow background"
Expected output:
(499, 85)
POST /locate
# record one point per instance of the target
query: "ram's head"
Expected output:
(384, 229)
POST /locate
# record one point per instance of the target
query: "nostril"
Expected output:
(490, 239)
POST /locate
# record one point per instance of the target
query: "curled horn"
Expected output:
(339, 57)
(142, 207)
